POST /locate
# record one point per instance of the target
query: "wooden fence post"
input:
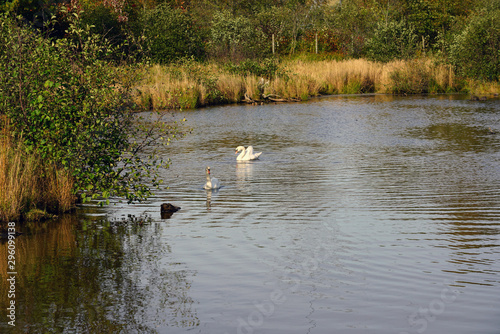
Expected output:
(316, 43)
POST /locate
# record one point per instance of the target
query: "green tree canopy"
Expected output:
(170, 34)
(394, 40)
(476, 50)
(65, 102)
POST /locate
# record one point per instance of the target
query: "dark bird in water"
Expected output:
(167, 210)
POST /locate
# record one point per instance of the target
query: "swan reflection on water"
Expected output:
(209, 197)
(244, 172)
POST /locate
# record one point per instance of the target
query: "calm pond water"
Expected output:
(372, 214)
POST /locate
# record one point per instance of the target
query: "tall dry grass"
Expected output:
(357, 76)
(18, 180)
(483, 88)
(419, 76)
(231, 87)
(329, 77)
(195, 85)
(28, 183)
(58, 190)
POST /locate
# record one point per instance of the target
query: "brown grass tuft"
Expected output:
(17, 177)
(26, 183)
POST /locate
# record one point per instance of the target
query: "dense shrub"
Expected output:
(475, 51)
(394, 40)
(353, 23)
(236, 38)
(102, 20)
(286, 23)
(170, 34)
(66, 104)
(268, 68)
(328, 41)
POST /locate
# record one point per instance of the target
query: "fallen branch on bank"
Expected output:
(268, 98)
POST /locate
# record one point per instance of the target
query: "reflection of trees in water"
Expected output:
(104, 277)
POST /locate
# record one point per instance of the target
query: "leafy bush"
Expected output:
(394, 40)
(170, 34)
(68, 106)
(352, 23)
(268, 68)
(102, 20)
(236, 38)
(475, 51)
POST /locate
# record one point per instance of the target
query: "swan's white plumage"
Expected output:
(246, 154)
(212, 182)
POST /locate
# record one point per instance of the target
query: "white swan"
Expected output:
(212, 182)
(246, 154)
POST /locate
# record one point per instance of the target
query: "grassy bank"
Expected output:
(29, 188)
(195, 85)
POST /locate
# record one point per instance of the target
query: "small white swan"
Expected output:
(246, 154)
(212, 182)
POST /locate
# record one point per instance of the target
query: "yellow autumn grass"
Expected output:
(27, 183)
(17, 180)
(483, 88)
(195, 85)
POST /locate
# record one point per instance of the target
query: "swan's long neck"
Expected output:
(241, 155)
(208, 176)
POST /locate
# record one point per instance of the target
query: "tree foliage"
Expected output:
(353, 23)
(476, 50)
(394, 40)
(170, 34)
(65, 102)
(236, 38)
(167, 30)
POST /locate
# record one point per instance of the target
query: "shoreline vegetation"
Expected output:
(194, 85)
(75, 73)
(31, 188)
